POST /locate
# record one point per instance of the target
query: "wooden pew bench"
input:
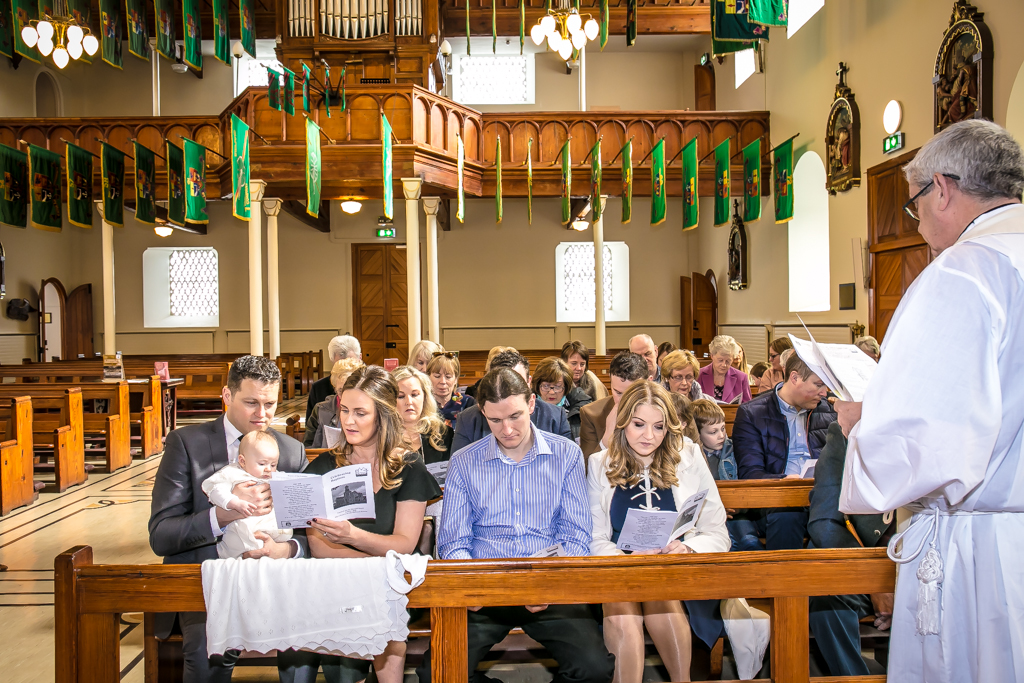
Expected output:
(56, 430)
(17, 487)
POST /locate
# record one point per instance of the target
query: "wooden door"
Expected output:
(704, 87)
(52, 320)
(78, 335)
(705, 312)
(685, 311)
(898, 251)
(380, 302)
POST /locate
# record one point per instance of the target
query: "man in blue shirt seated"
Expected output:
(775, 435)
(515, 493)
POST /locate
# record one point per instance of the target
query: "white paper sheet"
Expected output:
(439, 470)
(807, 471)
(556, 550)
(344, 493)
(688, 517)
(844, 368)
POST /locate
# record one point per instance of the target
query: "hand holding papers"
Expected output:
(655, 529)
(345, 493)
(440, 471)
(844, 368)
(556, 550)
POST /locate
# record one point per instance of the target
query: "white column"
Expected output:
(583, 79)
(256, 188)
(154, 61)
(412, 186)
(430, 206)
(107, 257)
(273, 208)
(599, 331)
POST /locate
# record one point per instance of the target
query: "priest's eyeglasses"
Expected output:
(910, 208)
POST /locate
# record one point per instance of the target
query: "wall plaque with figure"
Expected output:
(737, 251)
(963, 68)
(842, 138)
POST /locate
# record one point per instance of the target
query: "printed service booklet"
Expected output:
(655, 529)
(344, 493)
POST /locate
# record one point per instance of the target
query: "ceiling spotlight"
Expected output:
(351, 206)
(580, 225)
(163, 230)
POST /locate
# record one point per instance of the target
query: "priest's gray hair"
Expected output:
(988, 160)
(342, 347)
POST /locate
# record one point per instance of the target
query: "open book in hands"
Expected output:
(655, 529)
(344, 493)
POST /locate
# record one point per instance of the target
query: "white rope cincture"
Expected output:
(929, 577)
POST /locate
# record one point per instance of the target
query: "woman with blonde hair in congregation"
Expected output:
(650, 465)
(325, 413)
(424, 428)
(422, 352)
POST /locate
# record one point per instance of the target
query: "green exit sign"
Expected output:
(386, 233)
(892, 143)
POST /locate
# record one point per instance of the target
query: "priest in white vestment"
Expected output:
(940, 427)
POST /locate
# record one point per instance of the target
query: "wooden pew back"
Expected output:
(17, 487)
(57, 420)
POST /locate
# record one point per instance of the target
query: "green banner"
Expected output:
(6, 29)
(768, 12)
(247, 19)
(497, 174)
(691, 206)
(724, 47)
(461, 169)
(627, 181)
(44, 172)
(78, 164)
(783, 175)
(730, 23)
(288, 99)
(175, 184)
(110, 33)
(522, 25)
(23, 12)
(529, 182)
(195, 182)
(604, 23)
(81, 10)
(658, 198)
(752, 181)
(145, 179)
(494, 28)
(631, 7)
(314, 168)
(112, 173)
(221, 34)
(722, 187)
(305, 88)
(193, 29)
(327, 88)
(386, 138)
(469, 41)
(13, 187)
(595, 179)
(165, 28)
(240, 169)
(566, 184)
(274, 89)
(138, 28)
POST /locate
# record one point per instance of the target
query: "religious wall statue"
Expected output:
(842, 138)
(737, 251)
(963, 68)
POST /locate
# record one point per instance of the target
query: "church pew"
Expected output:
(57, 424)
(88, 598)
(17, 487)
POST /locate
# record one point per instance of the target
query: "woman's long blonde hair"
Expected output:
(392, 446)
(624, 467)
(430, 423)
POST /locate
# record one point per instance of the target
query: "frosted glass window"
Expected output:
(180, 287)
(575, 294)
(493, 79)
(745, 66)
(809, 283)
(800, 12)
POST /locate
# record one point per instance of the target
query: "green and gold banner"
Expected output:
(631, 7)
(24, 11)
(314, 168)
(752, 181)
(78, 164)
(110, 33)
(722, 187)
(595, 179)
(469, 41)
(138, 28)
(327, 87)
(497, 174)
(190, 19)
(729, 23)
(165, 28)
(13, 187)
(274, 89)
(566, 184)
(6, 29)
(658, 198)
(386, 162)
(305, 88)
(44, 172)
(145, 180)
(112, 172)
(522, 25)
(81, 10)
(175, 184)
(604, 23)
(494, 28)
(783, 175)
(723, 47)
(288, 99)
(240, 169)
(461, 170)
(247, 19)
(691, 205)
(529, 182)
(195, 182)
(627, 181)
(768, 12)
(221, 34)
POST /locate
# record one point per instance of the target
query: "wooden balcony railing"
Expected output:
(654, 17)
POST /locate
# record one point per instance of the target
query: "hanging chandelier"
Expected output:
(565, 30)
(60, 35)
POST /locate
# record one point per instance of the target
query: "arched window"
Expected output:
(809, 284)
(1015, 108)
(48, 99)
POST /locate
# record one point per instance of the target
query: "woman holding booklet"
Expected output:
(424, 428)
(652, 483)
(372, 433)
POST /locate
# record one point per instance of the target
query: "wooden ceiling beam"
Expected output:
(297, 210)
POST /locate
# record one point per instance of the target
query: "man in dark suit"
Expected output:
(471, 426)
(184, 527)
(626, 367)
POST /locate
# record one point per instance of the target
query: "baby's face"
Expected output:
(259, 460)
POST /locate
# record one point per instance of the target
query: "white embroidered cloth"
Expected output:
(749, 630)
(350, 607)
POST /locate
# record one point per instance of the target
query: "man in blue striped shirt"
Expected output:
(516, 493)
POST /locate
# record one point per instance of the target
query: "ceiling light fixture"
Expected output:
(164, 230)
(565, 30)
(60, 34)
(351, 206)
(580, 225)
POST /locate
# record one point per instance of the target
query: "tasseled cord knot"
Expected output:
(929, 577)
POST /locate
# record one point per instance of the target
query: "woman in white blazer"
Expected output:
(650, 465)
